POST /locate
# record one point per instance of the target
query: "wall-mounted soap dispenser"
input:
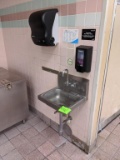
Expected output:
(44, 27)
(83, 58)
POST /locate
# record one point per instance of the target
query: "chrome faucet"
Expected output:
(67, 73)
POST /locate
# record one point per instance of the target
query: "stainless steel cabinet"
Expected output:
(13, 99)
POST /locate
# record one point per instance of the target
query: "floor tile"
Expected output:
(48, 132)
(25, 149)
(82, 155)
(6, 148)
(68, 149)
(100, 140)
(34, 121)
(35, 155)
(14, 155)
(117, 155)
(18, 140)
(114, 139)
(77, 155)
(104, 133)
(13, 132)
(30, 133)
(116, 121)
(3, 139)
(110, 127)
(46, 148)
(31, 115)
(23, 127)
(100, 155)
(108, 148)
(35, 140)
(94, 150)
(57, 156)
(38, 140)
(117, 130)
(57, 140)
(40, 126)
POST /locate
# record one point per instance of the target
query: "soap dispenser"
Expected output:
(44, 27)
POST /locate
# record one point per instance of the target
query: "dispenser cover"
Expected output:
(43, 25)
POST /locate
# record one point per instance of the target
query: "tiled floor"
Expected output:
(34, 140)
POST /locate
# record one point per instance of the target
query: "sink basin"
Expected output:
(71, 91)
(57, 97)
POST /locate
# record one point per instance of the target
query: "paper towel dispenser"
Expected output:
(44, 27)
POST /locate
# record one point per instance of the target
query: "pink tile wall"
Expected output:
(91, 5)
(3, 60)
(27, 59)
(8, 3)
(81, 7)
(99, 6)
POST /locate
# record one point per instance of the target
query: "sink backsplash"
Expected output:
(76, 84)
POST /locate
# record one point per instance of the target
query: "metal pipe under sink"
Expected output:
(61, 124)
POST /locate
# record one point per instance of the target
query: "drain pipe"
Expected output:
(69, 118)
(61, 124)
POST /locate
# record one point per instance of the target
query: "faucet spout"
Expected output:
(67, 73)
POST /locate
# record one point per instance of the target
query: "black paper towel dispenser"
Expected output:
(44, 27)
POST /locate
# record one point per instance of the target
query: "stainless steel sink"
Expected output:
(70, 92)
(57, 97)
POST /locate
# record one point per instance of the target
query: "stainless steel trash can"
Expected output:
(13, 99)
